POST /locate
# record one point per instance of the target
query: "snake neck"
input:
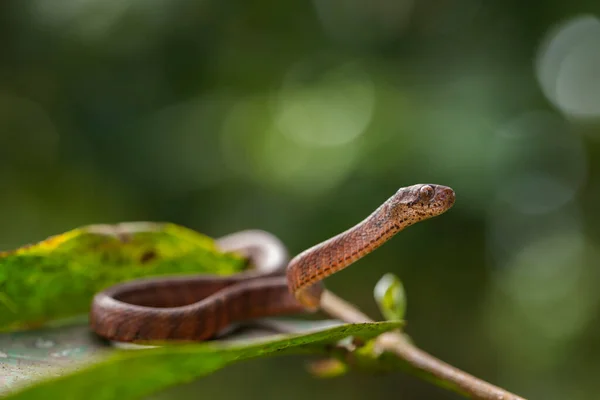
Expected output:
(340, 251)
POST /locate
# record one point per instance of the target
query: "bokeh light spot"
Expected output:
(332, 110)
(568, 67)
(257, 149)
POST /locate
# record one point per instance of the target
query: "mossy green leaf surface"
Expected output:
(134, 374)
(58, 277)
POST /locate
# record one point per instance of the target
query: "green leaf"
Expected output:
(133, 374)
(58, 277)
(390, 297)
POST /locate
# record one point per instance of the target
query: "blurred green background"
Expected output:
(300, 118)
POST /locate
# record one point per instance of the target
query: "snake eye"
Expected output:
(427, 191)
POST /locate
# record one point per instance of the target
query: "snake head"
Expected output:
(418, 202)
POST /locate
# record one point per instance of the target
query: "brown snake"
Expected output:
(194, 308)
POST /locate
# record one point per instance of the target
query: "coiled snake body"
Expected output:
(197, 308)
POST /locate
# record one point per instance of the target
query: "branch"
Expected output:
(398, 345)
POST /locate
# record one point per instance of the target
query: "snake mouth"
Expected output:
(445, 196)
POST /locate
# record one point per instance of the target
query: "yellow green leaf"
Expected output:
(58, 277)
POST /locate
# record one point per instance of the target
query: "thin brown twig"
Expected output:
(397, 344)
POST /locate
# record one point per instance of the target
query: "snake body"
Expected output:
(194, 308)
